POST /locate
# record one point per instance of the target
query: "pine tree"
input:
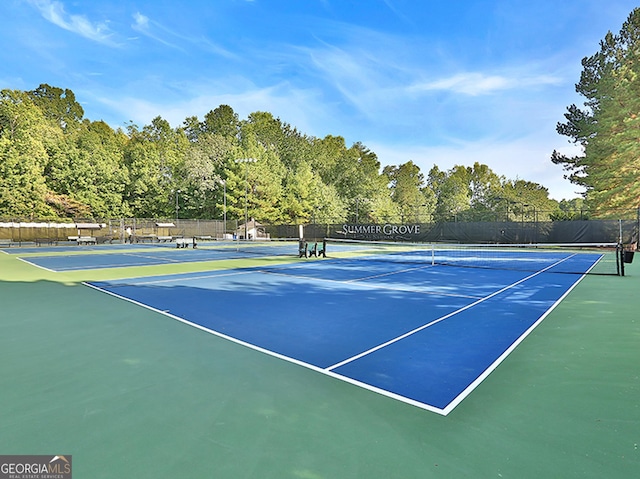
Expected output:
(608, 128)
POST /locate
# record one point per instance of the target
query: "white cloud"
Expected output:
(397, 12)
(141, 21)
(54, 12)
(147, 27)
(372, 75)
(474, 84)
(160, 33)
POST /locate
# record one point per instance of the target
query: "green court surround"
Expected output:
(131, 393)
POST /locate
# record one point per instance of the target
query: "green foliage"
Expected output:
(155, 159)
(478, 194)
(406, 184)
(54, 163)
(608, 128)
(86, 167)
(203, 174)
(452, 192)
(571, 210)
(24, 132)
(58, 105)
(222, 121)
(527, 201)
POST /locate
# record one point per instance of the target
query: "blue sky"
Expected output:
(435, 82)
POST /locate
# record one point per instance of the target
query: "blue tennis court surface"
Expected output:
(426, 335)
(143, 257)
(67, 258)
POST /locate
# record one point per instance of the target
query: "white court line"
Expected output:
(84, 267)
(176, 277)
(391, 273)
(318, 369)
(329, 371)
(158, 261)
(458, 399)
(442, 318)
(78, 268)
(37, 265)
(382, 287)
(469, 389)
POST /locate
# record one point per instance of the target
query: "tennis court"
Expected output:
(73, 258)
(392, 322)
(442, 371)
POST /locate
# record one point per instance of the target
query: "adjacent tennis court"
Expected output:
(73, 258)
(393, 322)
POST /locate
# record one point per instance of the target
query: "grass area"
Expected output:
(132, 393)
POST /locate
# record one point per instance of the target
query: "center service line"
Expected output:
(442, 318)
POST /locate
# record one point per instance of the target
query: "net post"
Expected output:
(620, 259)
(620, 231)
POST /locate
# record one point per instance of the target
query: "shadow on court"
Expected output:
(132, 393)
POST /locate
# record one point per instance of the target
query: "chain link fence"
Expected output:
(160, 229)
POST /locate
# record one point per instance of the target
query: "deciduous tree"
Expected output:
(24, 132)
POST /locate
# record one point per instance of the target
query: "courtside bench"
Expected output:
(105, 239)
(185, 242)
(143, 238)
(86, 240)
(41, 241)
(317, 250)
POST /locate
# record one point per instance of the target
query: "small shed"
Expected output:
(254, 231)
(163, 231)
(87, 233)
(88, 229)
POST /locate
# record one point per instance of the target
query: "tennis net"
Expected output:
(234, 247)
(257, 247)
(267, 247)
(579, 258)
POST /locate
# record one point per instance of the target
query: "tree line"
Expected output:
(56, 164)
